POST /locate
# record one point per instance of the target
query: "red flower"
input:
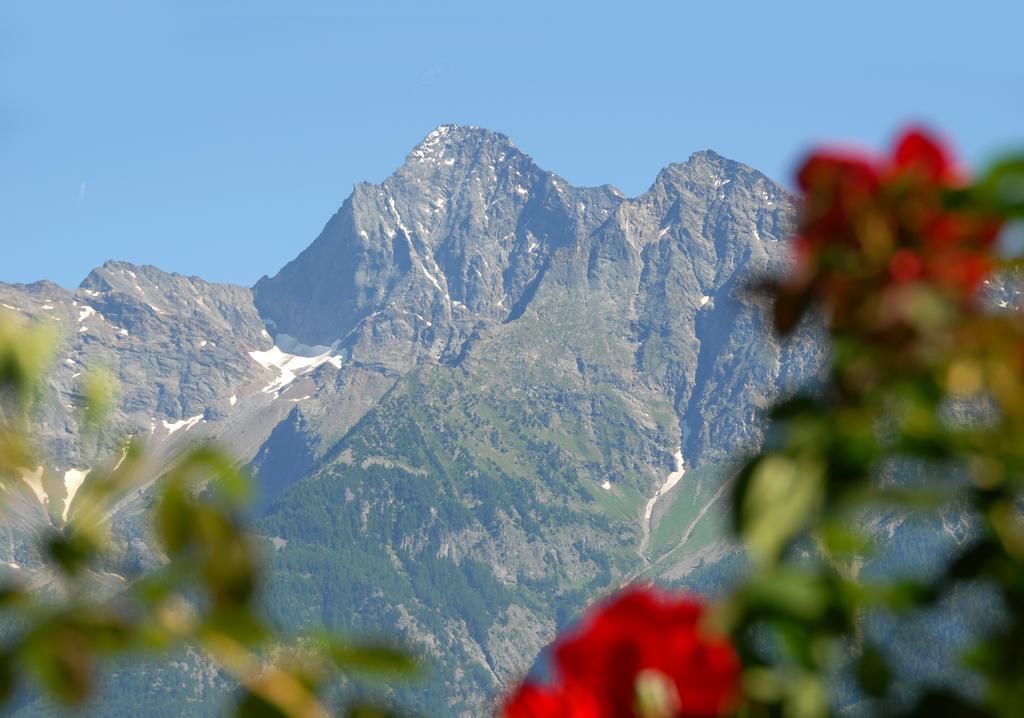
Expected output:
(844, 171)
(905, 265)
(872, 222)
(837, 187)
(917, 151)
(533, 701)
(641, 638)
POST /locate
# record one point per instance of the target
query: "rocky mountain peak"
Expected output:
(461, 237)
(127, 279)
(447, 144)
(712, 173)
(481, 382)
(454, 237)
(461, 167)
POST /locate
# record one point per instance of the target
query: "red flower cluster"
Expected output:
(641, 655)
(885, 221)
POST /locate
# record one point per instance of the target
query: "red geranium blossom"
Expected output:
(871, 222)
(533, 701)
(918, 151)
(641, 639)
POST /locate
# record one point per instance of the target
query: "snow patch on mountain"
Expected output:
(73, 480)
(34, 480)
(670, 481)
(290, 366)
(185, 424)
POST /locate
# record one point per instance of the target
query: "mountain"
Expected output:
(478, 400)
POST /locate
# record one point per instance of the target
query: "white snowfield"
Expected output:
(291, 366)
(670, 481)
(73, 480)
(34, 480)
(186, 424)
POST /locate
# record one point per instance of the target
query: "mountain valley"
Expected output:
(480, 399)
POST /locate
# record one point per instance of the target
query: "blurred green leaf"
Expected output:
(202, 597)
(844, 541)
(1000, 190)
(367, 710)
(779, 500)
(371, 657)
(251, 705)
(62, 659)
(239, 624)
(99, 392)
(788, 592)
(975, 561)
(873, 673)
(174, 518)
(71, 552)
(26, 351)
(8, 676)
(944, 703)
(12, 594)
(903, 595)
(806, 697)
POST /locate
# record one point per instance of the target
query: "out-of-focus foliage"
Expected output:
(203, 596)
(893, 254)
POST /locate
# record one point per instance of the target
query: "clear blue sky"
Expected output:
(216, 137)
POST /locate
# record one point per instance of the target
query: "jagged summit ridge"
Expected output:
(500, 370)
(461, 233)
(470, 235)
(444, 139)
(456, 152)
(711, 170)
(540, 356)
(454, 237)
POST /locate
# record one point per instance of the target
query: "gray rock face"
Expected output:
(177, 348)
(469, 235)
(192, 337)
(548, 349)
(457, 238)
(478, 379)
(176, 345)
(666, 276)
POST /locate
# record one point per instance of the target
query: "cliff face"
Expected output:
(480, 398)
